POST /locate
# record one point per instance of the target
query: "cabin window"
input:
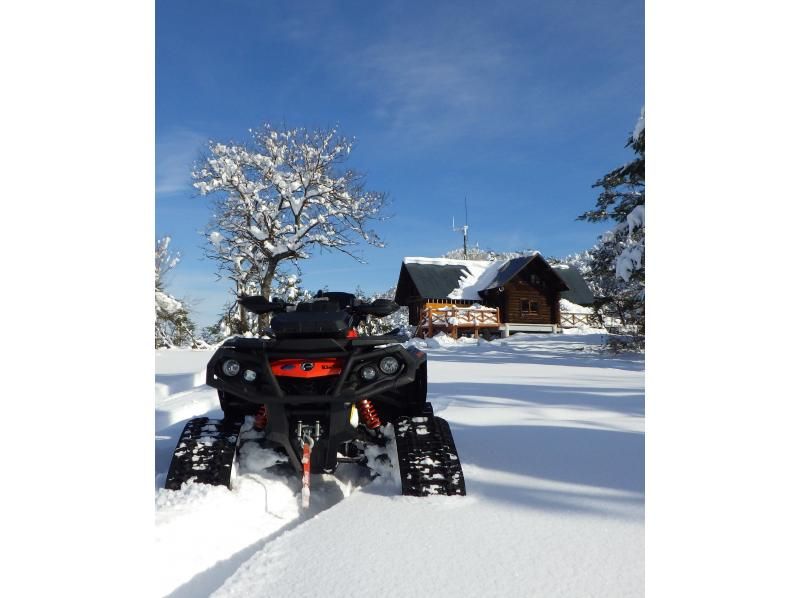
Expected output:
(528, 307)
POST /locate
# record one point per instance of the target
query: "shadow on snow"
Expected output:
(565, 354)
(626, 401)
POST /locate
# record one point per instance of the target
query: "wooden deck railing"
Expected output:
(611, 324)
(451, 319)
(571, 320)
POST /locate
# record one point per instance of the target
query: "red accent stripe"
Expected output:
(306, 492)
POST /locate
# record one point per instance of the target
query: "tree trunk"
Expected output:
(243, 326)
(266, 290)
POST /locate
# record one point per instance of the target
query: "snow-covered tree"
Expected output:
(617, 261)
(173, 326)
(289, 288)
(581, 261)
(278, 198)
(476, 253)
(229, 323)
(473, 253)
(374, 326)
(285, 286)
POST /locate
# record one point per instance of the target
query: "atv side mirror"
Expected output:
(258, 304)
(379, 308)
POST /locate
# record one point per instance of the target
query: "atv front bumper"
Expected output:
(257, 355)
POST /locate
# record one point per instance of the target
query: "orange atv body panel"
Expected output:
(307, 368)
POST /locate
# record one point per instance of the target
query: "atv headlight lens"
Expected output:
(389, 365)
(249, 375)
(230, 367)
(368, 372)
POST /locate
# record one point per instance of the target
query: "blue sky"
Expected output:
(519, 106)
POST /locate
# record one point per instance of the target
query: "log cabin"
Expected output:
(485, 297)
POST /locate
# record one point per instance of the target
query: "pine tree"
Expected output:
(173, 325)
(617, 261)
(476, 253)
(473, 253)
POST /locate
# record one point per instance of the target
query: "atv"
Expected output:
(320, 394)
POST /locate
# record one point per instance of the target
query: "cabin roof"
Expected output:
(434, 280)
(461, 279)
(508, 270)
(579, 291)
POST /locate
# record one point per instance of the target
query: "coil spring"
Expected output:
(368, 414)
(260, 420)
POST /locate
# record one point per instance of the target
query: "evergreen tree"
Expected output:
(473, 253)
(173, 326)
(617, 261)
(476, 253)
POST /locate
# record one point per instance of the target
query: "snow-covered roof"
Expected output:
(509, 269)
(471, 276)
(432, 277)
(445, 278)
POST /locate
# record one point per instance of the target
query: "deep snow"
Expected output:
(551, 437)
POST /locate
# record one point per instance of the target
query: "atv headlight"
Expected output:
(249, 375)
(368, 372)
(389, 365)
(230, 367)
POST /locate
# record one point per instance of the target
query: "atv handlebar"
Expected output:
(257, 304)
(380, 308)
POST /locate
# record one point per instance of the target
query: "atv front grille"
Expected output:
(308, 386)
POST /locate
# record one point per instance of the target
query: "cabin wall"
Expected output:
(413, 312)
(524, 303)
(530, 297)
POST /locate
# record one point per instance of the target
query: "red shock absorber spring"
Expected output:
(368, 414)
(260, 420)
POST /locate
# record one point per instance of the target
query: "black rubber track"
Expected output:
(206, 452)
(429, 462)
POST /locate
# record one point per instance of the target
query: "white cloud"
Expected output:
(436, 73)
(176, 151)
(461, 81)
(434, 88)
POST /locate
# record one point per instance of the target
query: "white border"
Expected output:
(78, 155)
(722, 412)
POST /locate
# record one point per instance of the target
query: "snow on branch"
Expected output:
(283, 194)
(639, 128)
(279, 197)
(173, 325)
(164, 261)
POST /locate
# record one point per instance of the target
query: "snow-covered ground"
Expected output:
(551, 437)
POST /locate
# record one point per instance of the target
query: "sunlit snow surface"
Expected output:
(551, 437)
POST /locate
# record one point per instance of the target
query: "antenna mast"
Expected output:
(464, 228)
